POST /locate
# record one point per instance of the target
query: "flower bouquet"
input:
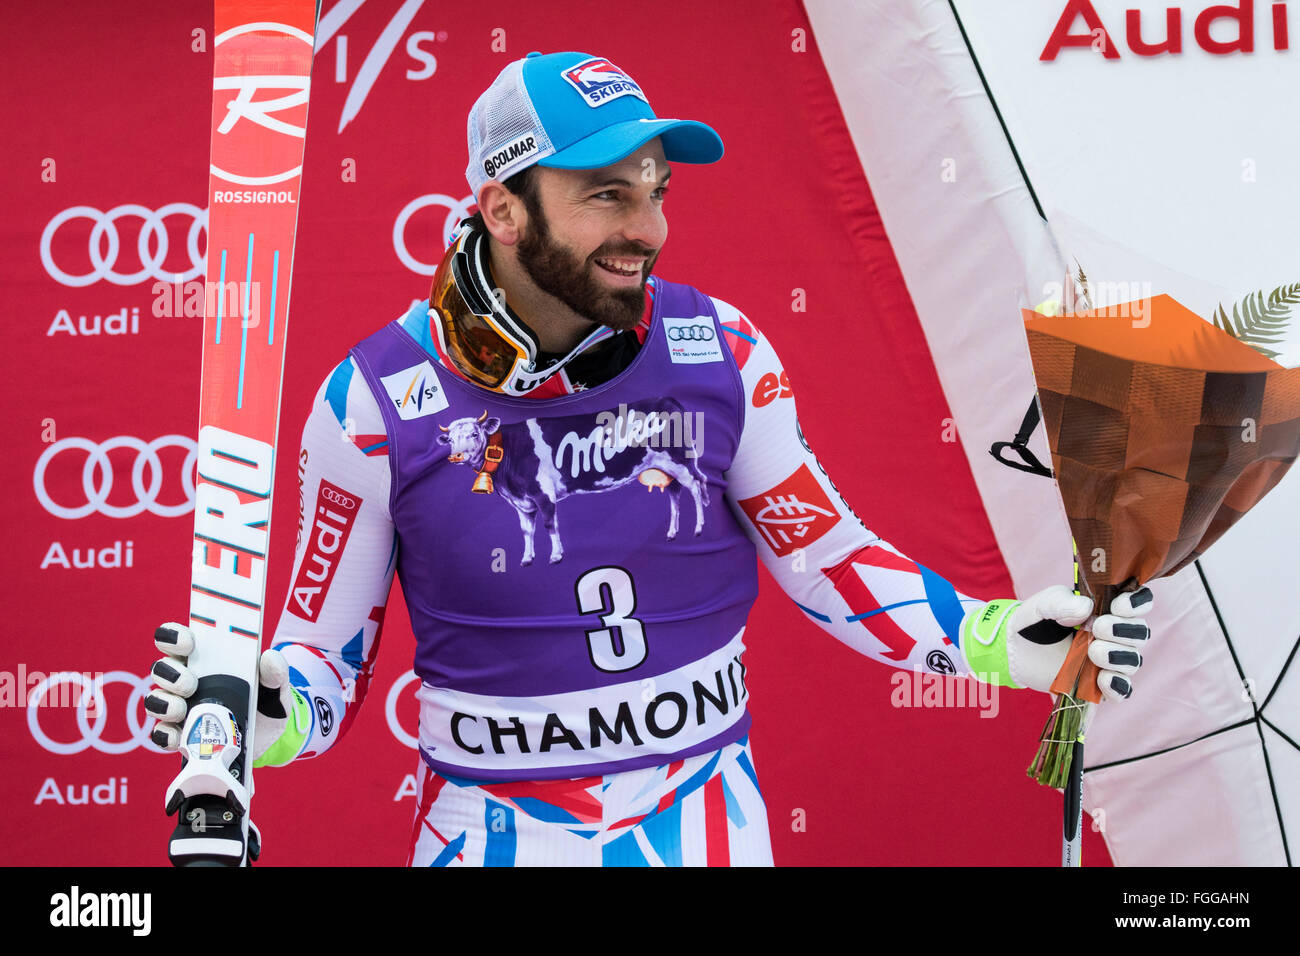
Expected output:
(1164, 429)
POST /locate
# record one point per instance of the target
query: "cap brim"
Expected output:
(684, 141)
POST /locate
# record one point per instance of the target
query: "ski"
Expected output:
(262, 58)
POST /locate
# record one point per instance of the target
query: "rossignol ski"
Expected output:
(262, 57)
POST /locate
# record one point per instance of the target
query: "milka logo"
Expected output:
(615, 432)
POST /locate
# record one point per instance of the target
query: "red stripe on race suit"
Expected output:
(445, 842)
(716, 839)
(362, 686)
(742, 346)
(629, 821)
(570, 796)
(433, 785)
(860, 600)
(321, 654)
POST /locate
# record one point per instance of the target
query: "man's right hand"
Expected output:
(283, 720)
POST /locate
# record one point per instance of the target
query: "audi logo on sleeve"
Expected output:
(335, 497)
(692, 341)
(336, 510)
(98, 475)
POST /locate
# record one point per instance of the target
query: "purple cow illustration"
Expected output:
(536, 463)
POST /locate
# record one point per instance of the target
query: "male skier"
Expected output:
(572, 465)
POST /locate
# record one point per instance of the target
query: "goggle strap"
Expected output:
(469, 291)
(498, 313)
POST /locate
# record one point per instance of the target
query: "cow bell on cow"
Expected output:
(492, 456)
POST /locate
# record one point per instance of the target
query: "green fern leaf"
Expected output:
(1260, 322)
(1221, 322)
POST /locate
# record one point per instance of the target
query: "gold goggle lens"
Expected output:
(474, 344)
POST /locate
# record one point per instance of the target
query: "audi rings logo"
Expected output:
(390, 710)
(338, 498)
(91, 701)
(104, 245)
(690, 333)
(457, 209)
(97, 477)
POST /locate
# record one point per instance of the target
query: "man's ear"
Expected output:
(503, 213)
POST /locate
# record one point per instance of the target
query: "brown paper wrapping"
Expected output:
(1164, 430)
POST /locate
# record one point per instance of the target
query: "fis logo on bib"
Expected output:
(510, 154)
(601, 82)
(415, 391)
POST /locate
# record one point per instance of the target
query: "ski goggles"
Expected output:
(479, 331)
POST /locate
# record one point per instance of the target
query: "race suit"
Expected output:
(577, 594)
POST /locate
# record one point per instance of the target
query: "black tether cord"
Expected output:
(1028, 460)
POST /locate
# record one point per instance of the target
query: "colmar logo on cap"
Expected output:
(510, 154)
(601, 82)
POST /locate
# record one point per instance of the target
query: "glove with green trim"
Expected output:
(1024, 643)
(283, 720)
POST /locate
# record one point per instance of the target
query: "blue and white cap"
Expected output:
(571, 111)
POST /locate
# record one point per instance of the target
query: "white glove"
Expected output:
(283, 718)
(1036, 635)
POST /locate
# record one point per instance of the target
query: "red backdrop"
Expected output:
(108, 107)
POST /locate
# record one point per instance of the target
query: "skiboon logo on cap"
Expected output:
(601, 82)
(510, 154)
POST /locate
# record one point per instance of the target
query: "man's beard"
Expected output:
(558, 272)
